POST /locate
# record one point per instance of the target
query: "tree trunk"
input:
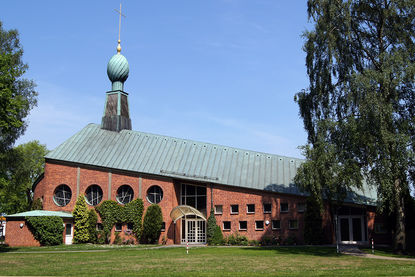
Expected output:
(399, 243)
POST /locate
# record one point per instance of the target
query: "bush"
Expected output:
(152, 224)
(101, 238)
(92, 226)
(253, 243)
(237, 239)
(217, 238)
(117, 239)
(48, 230)
(291, 240)
(313, 231)
(80, 216)
(211, 226)
(133, 213)
(37, 204)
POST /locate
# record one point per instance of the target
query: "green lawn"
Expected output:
(203, 261)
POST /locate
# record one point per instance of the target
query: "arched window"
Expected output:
(125, 194)
(154, 194)
(93, 195)
(62, 195)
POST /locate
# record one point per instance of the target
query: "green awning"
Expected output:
(183, 210)
(41, 213)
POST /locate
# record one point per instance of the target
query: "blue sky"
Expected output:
(218, 71)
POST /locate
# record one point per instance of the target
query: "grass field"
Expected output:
(203, 261)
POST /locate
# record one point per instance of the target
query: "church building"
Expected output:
(250, 192)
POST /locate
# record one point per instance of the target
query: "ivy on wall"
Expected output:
(111, 213)
(47, 230)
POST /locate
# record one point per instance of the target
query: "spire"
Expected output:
(116, 112)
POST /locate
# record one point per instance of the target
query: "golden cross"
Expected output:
(119, 29)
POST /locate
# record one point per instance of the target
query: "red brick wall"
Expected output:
(16, 236)
(56, 174)
(227, 196)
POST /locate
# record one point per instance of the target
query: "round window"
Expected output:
(62, 195)
(125, 194)
(93, 195)
(154, 194)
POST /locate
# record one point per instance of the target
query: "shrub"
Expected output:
(237, 239)
(133, 213)
(313, 231)
(80, 216)
(37, 204)
(217, 238)
(48, 230)
(211, 226)
(101, 238)
(290, 240)
(117, 239)
(266, 240)
(92, 226)
(152, 224)
(253, 243)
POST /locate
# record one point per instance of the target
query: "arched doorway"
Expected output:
(193, 224)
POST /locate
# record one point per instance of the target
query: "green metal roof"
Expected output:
(181, 158)
(41, 213)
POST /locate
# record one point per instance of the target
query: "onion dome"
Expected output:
(118, 70)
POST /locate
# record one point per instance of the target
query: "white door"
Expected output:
(195, 231)
(68, 233)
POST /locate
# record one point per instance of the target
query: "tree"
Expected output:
(359, 108)
(92, 226)
(17, 94)
(153, 220)
(211, 226)
(19, 169)
(81, 222)
(313, 222)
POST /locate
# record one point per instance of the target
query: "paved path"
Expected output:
(355, 251)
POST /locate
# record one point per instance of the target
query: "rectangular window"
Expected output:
(267, 208)
(243, 225)
(293, 224)
(276, 224)
(68, 229)
(226, 225)
(284, 207)
(118, 227)
(163, 226)
(250, 208)
(259, 225)
(234, 209)
(99, 227)
(218, 209)
(130, 226)
(300, 207)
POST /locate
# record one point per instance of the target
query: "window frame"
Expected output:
(270, 208)
(116, 229)
(290, 224)
(99, 190)
(303, 207)
(223, 225)
(237, 208)
(284, 211)
(243, 229)
(155, 194)
(216, 210)
(121, 190)
(272, 224)
(247, 208)
(256, 225)
(66, 200)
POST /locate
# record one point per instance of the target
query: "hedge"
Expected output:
(48, 230)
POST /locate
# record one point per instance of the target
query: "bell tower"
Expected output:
(116, 111)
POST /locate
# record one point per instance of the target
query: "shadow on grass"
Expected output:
(6, 248)
(321, 251)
